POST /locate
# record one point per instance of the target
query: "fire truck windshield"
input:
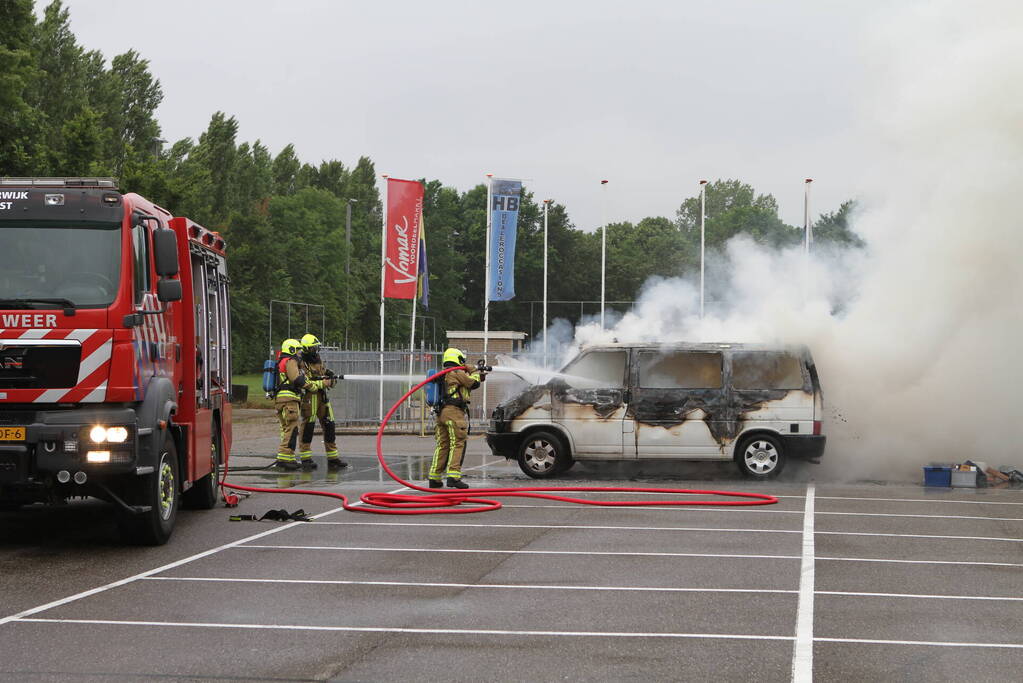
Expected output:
(46, 264)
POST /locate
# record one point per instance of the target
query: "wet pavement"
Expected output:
(839, 581)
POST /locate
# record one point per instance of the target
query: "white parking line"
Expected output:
(878, 559)
(802, 648)
(762, 509)
(770, 511)
(927, 643)
(943, 537)
(506, 632)
(927, 596)
(514, 586)
(565, 526)
(919, 500)
(556, 587)
(511, 552)
(668, 529)
(903, 514)
(398, 629)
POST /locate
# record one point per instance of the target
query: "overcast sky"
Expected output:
(652, 96)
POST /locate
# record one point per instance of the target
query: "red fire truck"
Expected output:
(115, 364)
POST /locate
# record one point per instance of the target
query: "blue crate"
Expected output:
(938, 476)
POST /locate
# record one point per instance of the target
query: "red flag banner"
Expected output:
(401, 263)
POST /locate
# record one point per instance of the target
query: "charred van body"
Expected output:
(755, 404)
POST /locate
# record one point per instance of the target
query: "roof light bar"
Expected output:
(59, 182)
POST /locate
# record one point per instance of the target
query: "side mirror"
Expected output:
(168, 290)
(165, 253)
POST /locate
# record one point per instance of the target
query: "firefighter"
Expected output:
(291, 384)
(316, 406)
(452, 427)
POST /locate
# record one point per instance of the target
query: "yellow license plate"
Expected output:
(12, 433)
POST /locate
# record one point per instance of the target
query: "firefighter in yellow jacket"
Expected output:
(452, 428)
(291, 384)
(316, 406)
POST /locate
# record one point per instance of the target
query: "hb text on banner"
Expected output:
(504, 209)
(401, 262)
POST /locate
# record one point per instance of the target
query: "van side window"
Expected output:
(766, 370)
(679, 370)
(604, 368)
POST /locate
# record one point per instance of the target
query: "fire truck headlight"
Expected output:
(101, 434)
(97, 456)
(117, 434)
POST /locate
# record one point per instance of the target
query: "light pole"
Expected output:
(348, 264)
(807, 237)
(703, 217)
(546, 206)
(603, 249)
(807, 229)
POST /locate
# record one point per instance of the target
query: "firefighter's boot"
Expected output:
(436, 484)
(336, 463)
(289, 465)
(456, 483)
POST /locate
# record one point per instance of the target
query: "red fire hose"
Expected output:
(448, 502)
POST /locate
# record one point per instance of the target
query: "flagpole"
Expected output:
(412, 340)
(603, 249)
(703, 217)
(546, 205)
(383, 258)
(486, 283)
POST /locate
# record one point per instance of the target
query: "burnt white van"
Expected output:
(756, 405)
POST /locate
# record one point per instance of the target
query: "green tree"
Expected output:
(82, 141)
(832, 229)
(285, 171)
(133, 121)
(57, 92)
(216, 154)
(19, 144)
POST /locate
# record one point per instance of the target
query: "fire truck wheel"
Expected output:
(205, 493)
(160, 492)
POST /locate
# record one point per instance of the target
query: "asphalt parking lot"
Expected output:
(835, 582)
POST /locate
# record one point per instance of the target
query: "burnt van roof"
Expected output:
(797, 349)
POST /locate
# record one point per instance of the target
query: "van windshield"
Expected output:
(79, 263)
(596, 369)
(766, 370)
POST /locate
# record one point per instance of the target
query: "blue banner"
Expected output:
(504, 211)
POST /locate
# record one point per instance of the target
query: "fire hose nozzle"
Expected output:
(482, 367)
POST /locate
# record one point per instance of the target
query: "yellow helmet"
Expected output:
(310, 342)
(453, 355)
(291, 347)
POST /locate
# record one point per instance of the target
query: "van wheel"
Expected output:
(542, 455)
(159, 492)
(205, 493)
(760, 457)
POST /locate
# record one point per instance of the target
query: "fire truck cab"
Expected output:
(115, 370)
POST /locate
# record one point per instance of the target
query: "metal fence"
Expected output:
(356, 402)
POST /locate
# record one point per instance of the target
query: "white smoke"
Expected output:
(923, 363)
